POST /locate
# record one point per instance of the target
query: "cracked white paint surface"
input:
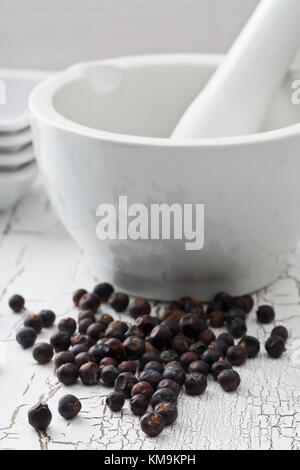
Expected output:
(38, 260)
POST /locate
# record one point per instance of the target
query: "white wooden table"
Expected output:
(40, 261)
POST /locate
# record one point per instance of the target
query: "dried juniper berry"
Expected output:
(39, 416)
(216, 318)
(103, 291)
(237, 328)
(112, 347)
(281, 332)
(219, 344)
(139, 307)
(105, 319)
(219, 366)
(211, 355)
(78, 348)
(172, 315)
(172, 326)
(17, 303)
(60, 341)
(95, 330)
(69, 406)
(119, 302)
(171, 384)
(147, 357)
(42, 353)
(168, 355)
(68, 325)
(215, 305)
(275, 346)
(198, 348)
(229, 380)
(144, 388)
(227, 338)
(187, 358)
(152, 424)
(191, 324)
(63, 357)
(84, 324)
(116, 329)
(89, 302)
(180, 344)
(176, 373)
(89, 373)
(251, 344)
(26, 337)
(124, 383)
(206, 336)
(87, 314)
(77, 296)
(109, 374)
(139, 404)
(134, 347)
(151, 376)
(224, 298)
(115, 401)
(199, 366)
(168, 411)
(234, 313)
(155, 365)
(161, 395)
(237, 355)
(127, 366)
(47, 318)
(83, 339)
(108, 361)
(146, 323)
(34, 321)
(160, 336)
(240, 302)
(195, 384)
(82, 358)
(67, 374)
(265, 314)
(97, 353)
(250, 302)
(134, 330)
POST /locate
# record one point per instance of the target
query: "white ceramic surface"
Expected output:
(18, 84)
(100, 131)
(16, 159)
(15, 141)
(14, 184)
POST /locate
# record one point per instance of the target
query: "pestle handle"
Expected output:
(237, 97)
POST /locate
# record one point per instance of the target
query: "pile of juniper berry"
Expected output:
(150, 360)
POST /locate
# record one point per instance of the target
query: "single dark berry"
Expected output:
(134, 330)
(85, 315)
(155, 365)
(250, 302)
(105, 319)
(168, 356)
(86, 340)
(17, 303)
(67, 374)
(69, 406)
(172, 326)
(237, 355)
(251, 344)
(175, 373)
(89, 373)
(146, 323)
(216, 318)
(109, 374)
(237, 328)
(227, 338)
(152, 424)
(78, 348)
(275, 347)
(63, 357)
(219, 366)
(82, 358)
(180, 344)
(187, 358)
(147, 357)
(211, 355)
(172, 315)
(198, 348)
(240, 302)
(219, 344)
(89, 302)
(68, 325)
(229, 380)
(265, 314)
(281, 332)
(116, 329)
(47, 318)
(108, 361)
(96, 330)
(124, 383)
(144, 388)
(224, 299)
(60, 341)
(112, 347)
(77, 296)
(163, 395)
(206, 336)
(134, 347)
(168, 411)
(127, 366)
(200, 367)
(84, 324)
(234, 313)
(103, 291)
(97, 353)
(26, 337)
(139, 307)
(119, 302)
(139, 404)
(191, 324)
(151, 376)
(215, 305)
(195, 384)
(39, 416)
(160, 336)
(115, 401)
(42, 353)
(171, 384)
(34, 321)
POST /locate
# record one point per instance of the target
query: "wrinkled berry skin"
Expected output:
(142, 388)
(89, 302)
(42, 353)
(275, 347)
(89, 373)
(16, 303)
(265, 314)
(68, 325)
(124, 383)
(109, 374)
(151, 376)
(237, 328)
(139, 307)
(119, 302)
(60, 341)
(152, 424)
(26, 337)
(134, 347)
(281, 332)
(39, 416)
(229, 380)
(69, 406)
(199, 366)
(160, 336)
(251, 344)
(171, 384)
(168, 411)
(219, 366)
(195, 384)
(163, 395)
(139, 404)
(115, 401)
(77, 296)
(63, 357)
(103, 291)
(34, 321)
(237, 355)
(47, 318)
(67, 374)
(175, 373)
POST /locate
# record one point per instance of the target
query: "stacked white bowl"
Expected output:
(17, 161)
